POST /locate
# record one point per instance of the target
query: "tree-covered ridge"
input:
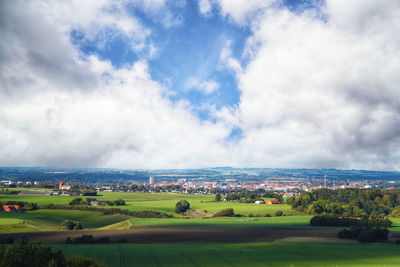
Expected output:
(349, 202)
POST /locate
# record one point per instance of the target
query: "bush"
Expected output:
(225, 213)
(71, 225)
(366, 236)
(77, 201)
(267, 215)
(278, 213)
(332, 220)
(24, 254)
(182, 206)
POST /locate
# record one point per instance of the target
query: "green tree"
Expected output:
(217, 197)
(182, 206)
(76, 201)
(71, 225)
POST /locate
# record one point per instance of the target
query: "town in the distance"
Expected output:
(286, 182)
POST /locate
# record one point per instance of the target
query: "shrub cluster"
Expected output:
(348, 202)
(71, 225)
(364, 235)
(88, 239)
(24, 254)
(80, 201)
(332, 220)
(225, 213)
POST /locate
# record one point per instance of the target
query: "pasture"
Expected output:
(162, 202)
(281, 253)
(51, 220)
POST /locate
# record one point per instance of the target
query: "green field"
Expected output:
(51, 220)
(162, 202)
(281, 253)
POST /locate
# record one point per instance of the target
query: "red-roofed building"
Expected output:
(9, 208)
(63, 187)
(274, 201)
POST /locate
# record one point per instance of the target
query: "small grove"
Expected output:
(348, 202)
(25, 254)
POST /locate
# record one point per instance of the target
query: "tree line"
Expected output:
(25, 254)
(375, 203)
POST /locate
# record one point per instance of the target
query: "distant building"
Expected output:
(259, 202)
(274, 201)
(151, 180)
(9, 208)
(98, 203)
(63, 187)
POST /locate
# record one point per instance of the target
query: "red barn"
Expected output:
(274, 201)
(9, 208)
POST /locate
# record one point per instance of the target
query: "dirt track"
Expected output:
(162, 234)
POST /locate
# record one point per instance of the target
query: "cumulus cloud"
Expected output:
(320, 88)
(62, 108)
(207, 86)
(323, 92)
(205, 7)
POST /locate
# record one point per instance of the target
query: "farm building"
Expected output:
(63, 187)
(9, 208)
(259, 202)
(274, 201)
(98, 203)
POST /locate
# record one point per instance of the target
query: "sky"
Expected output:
(161, 84)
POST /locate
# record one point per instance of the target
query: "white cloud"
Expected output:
(62, 108)
(244, 11)
(205, 7)
(207, 87)
(321, 93)
(227, 59)
(314, 93)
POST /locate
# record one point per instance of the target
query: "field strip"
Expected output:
(155, 257)
(253, 258)
(222, 258)
(191, 260)
(121, 256)
(89, 252)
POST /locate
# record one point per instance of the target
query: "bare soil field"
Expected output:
(165, 234)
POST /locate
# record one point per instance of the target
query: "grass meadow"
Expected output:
(162, 202)
(282, 253)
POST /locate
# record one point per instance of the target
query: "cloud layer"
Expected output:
(319, 88)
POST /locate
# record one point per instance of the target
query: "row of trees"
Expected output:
(348, 202)
(332, 220)
(246, 196)
(365, 235)
(80, 201)
(24, 254)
